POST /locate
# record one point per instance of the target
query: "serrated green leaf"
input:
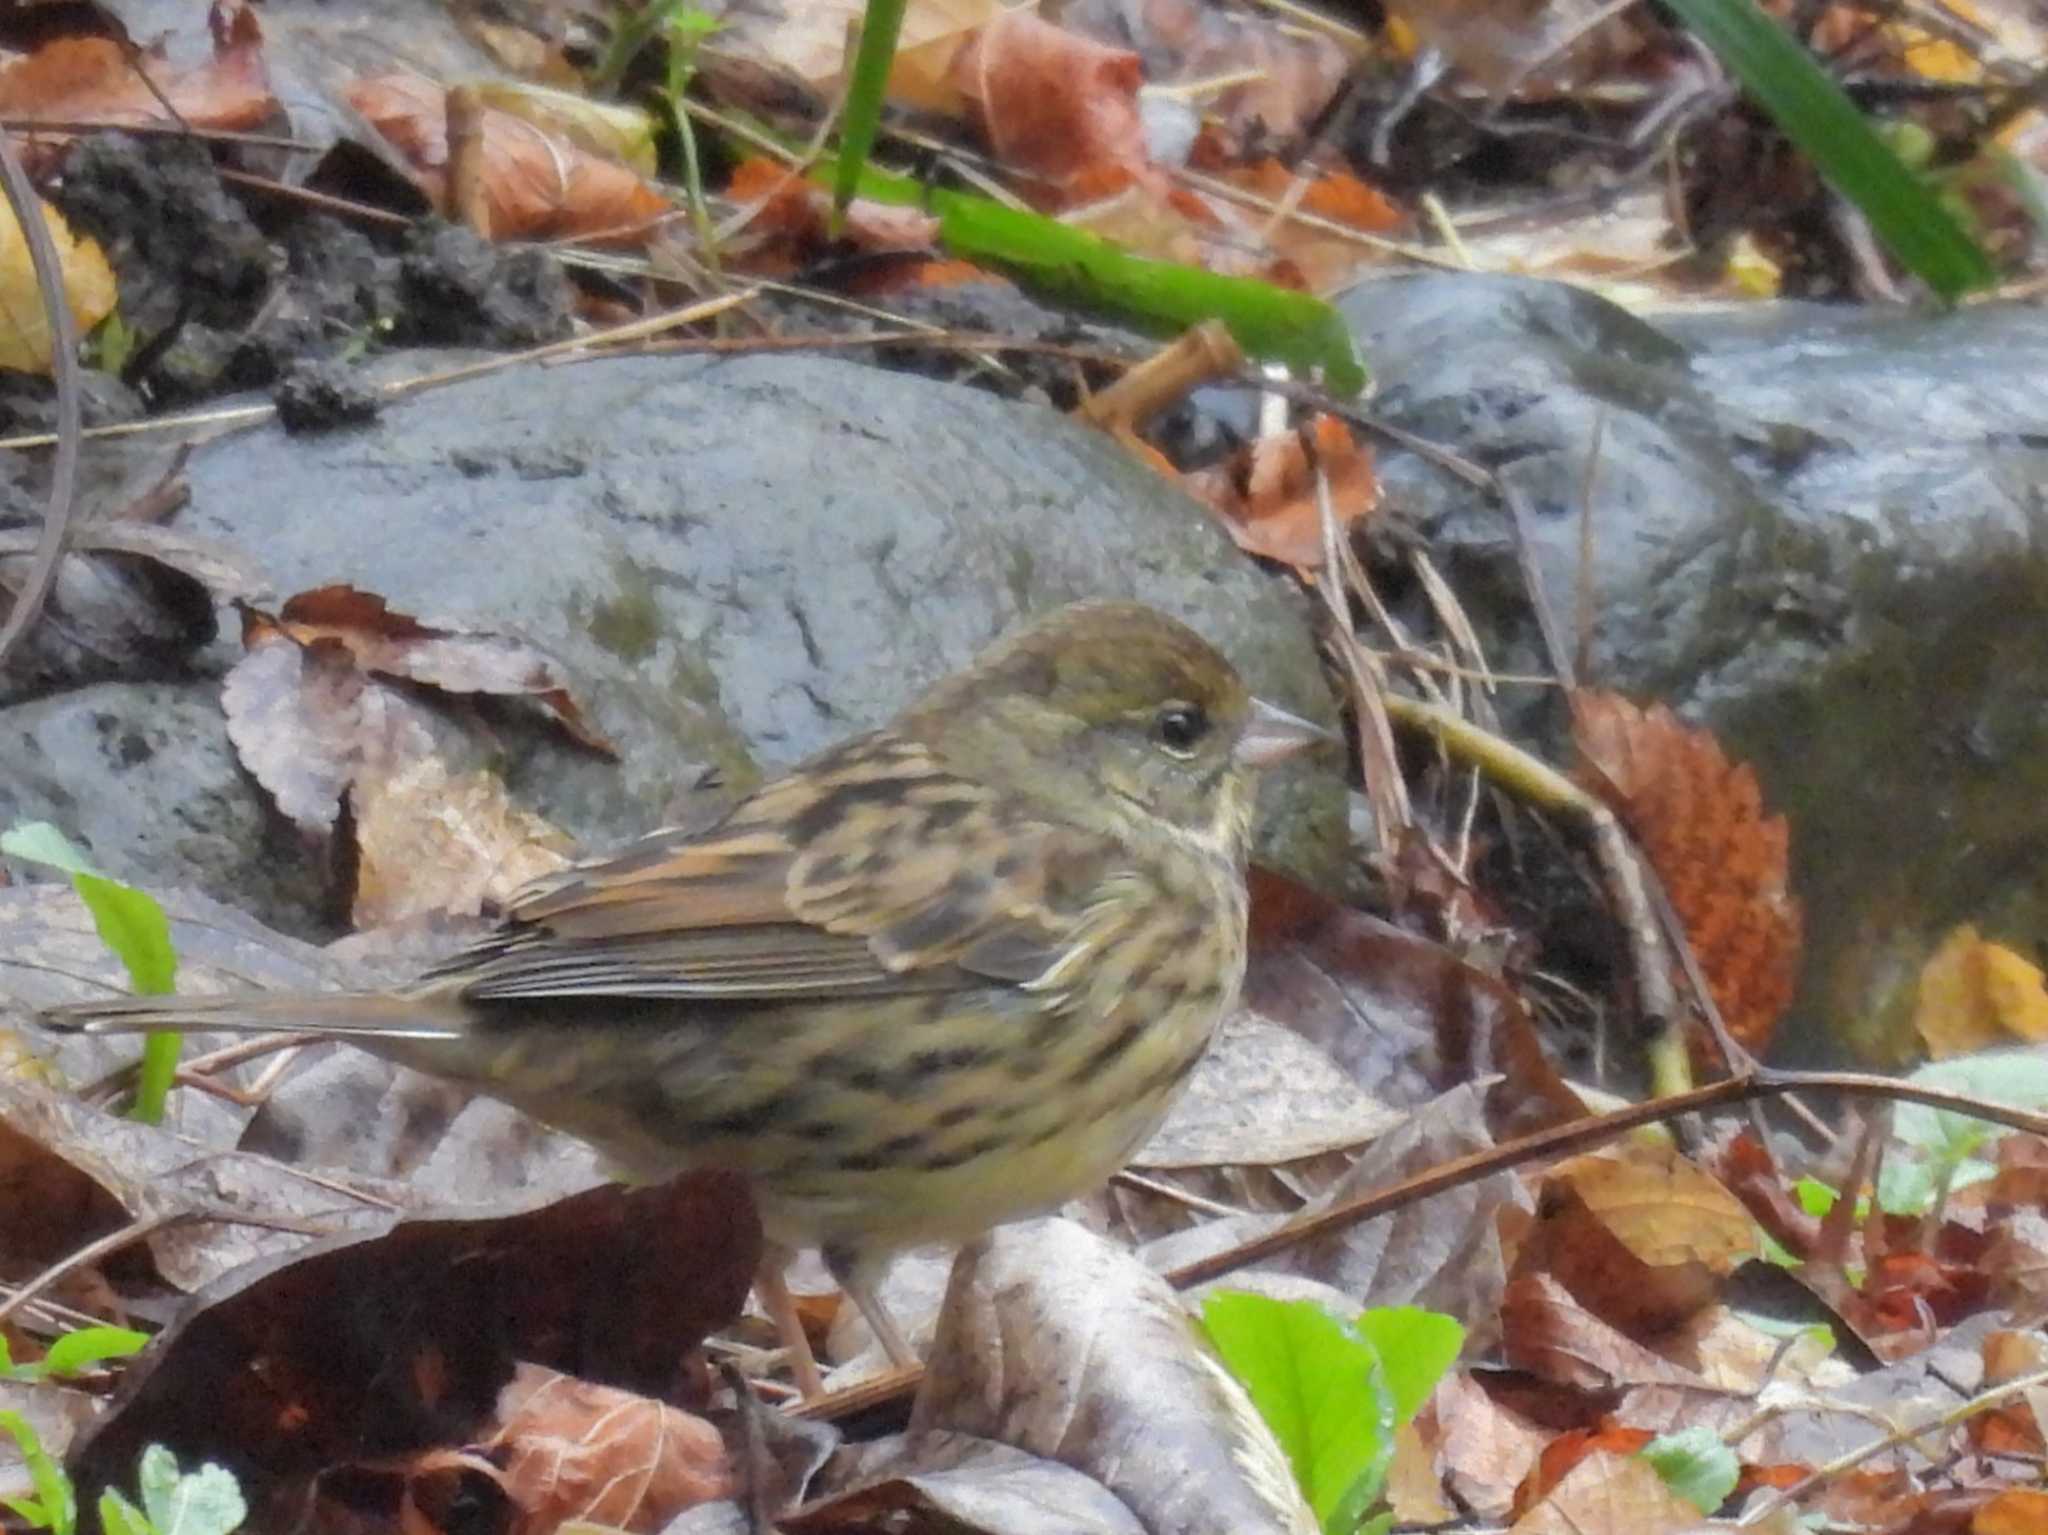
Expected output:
(1320, 1389)
(1696, 1465)
(203, 1502)
(1816, 115)
(1415, 1348)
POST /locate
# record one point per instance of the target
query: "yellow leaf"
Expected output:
(88, 287)
(1975, 994)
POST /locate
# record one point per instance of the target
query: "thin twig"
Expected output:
(49, 269)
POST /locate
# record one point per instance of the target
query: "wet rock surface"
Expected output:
(739, 561)
(1817, 529)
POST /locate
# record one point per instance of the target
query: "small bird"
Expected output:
(941, 976)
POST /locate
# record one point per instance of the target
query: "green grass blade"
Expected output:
(133, 926)
(864, 93)
(1816, 115)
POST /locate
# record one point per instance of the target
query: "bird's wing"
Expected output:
(873, 872)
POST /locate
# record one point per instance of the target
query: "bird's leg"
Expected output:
(860, 1275)
(773, 1291)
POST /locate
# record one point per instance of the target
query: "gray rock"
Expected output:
(739, 561)
(1817, 529)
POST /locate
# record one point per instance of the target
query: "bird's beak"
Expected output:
(1273, 735)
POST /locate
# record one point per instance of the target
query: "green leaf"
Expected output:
(1696, 1465)
(133, 926)
(89, 1346)
(55, 1506)
(1815, 1198)
(1415, 1348)
(120, 1517)
(1321, 1390)
(1816, 115)
(203, 1502)
(40, 842)
(865, 91)
(1269, 322)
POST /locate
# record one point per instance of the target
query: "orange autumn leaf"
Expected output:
(1272, 512)
(1700, 819)
(94, 80)
(790, 221)
(529, 184)
(1335, 195)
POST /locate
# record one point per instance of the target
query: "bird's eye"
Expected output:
(1179, 727)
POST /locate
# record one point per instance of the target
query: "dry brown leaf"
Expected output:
(1056, 105)
(575, 1450)
(429, 843)
(530, 183)
(1640, 1236)
(1268, 502)
(446, 656)
(95, 80)
(1487, 1446)
(1700, 819)
(1545, 1331)
(1975, 994)
(306, 721)
(790, 222)
(1609, 1493)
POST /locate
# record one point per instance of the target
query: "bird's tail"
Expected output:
(359, 1014)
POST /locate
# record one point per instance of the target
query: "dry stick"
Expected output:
(100, 1247)
(49, 270)
(1560, 1140)
(1378, 764)
(1984, 1401)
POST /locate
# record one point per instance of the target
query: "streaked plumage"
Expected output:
(938, 977)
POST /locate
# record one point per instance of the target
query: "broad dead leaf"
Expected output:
(1641, 1237)
(450, 657)
(1975, 994)
(1267, 500)
(1608, 1493)
(528, 183)
(95, 80)
(1065, 1346)
(572, 1449)
(1056, 105)
(1700, 818)
(306, 721)
(377, 1346)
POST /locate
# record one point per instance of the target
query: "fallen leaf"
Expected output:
(1268, 500)
(1639, 1235)
(89, 290)
(1975, 994)
(450, 657)
(426, 842)
(574, 1450)
(530, 183)
(1056, 105)
(96, 80)
(1700, 819)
